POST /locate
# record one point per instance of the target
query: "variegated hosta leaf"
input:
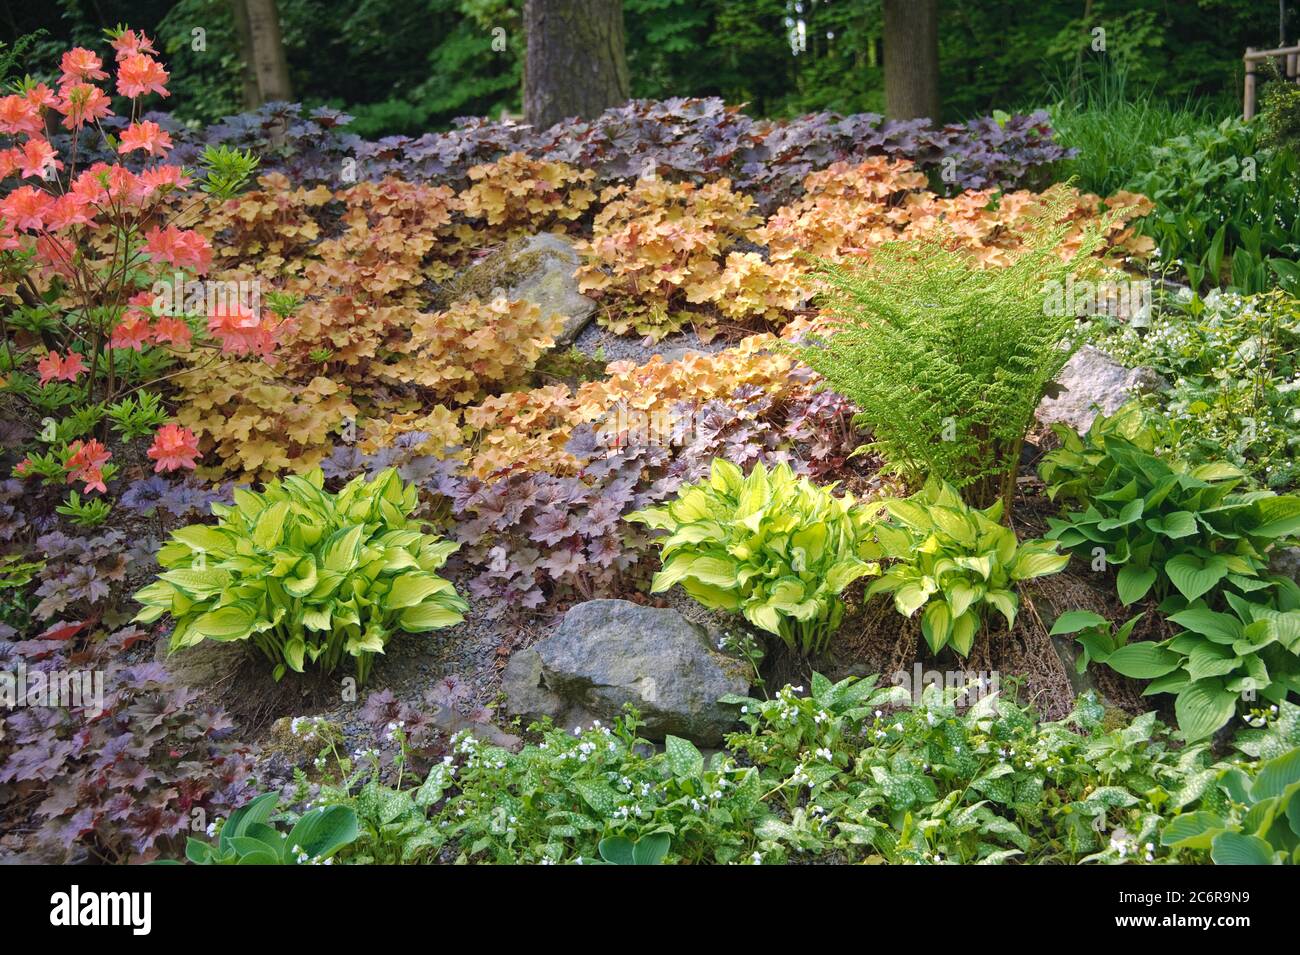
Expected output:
(775, 547)
(306, 573)
(956, 563)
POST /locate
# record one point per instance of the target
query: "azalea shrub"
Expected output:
(93, 260)
(305, 575)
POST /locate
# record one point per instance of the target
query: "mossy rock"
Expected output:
(301, 739)
(539, 269)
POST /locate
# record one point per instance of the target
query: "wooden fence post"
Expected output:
(1248, 108)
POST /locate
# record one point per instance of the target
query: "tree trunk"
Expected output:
(911, 59)
(251, 94)
(576, 63)
(269, 63)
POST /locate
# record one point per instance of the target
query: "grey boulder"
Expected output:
(606, 653)
(1093, 383)
(539, 269)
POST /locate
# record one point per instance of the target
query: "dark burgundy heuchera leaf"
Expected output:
(678, 138)
(381, 707)
(120, 781)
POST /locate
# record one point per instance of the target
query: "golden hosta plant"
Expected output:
(956, 562)
(777, 548)
(306, 575)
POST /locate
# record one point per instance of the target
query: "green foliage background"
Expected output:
(406, 66)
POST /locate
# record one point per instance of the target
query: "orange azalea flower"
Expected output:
(147, 136)
(88, 187)
(55, 255)
(142, 300)
(162, 177)
(26, 207)
(241, 331)
(122, 183)
(87, 464)
(138, 75)
(18, 114)
(81, 64)
(82, 103)
(68, 210)
(179, 247)
(173, 447)
(38, 156)
(173, 331)
(41, 96)
(128, 42)
(10, 160)
(133, 333)
(54, 367)
(8, 238)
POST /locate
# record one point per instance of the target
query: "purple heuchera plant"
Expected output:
(124, 773)
(530, 538)
(682, 138)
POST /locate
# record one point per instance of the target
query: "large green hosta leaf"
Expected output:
(768, 544)
(308, 575)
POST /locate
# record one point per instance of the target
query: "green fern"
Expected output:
(947, 359)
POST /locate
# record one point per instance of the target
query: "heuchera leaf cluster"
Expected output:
(124, 784)
(678, 138)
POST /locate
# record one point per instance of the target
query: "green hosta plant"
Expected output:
(1219, 658)
(306, 575)
(1078, 469)
(1190, 537)
(1166, 524)
(1246, 813)
(248, 838)
(956, 562)
(777, 548)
